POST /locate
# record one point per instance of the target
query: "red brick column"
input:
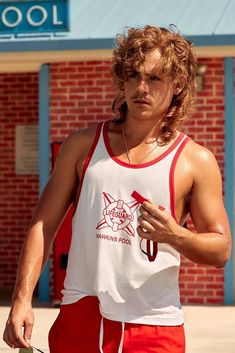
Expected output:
(18, 193)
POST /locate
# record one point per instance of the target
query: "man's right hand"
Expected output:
(19, 325)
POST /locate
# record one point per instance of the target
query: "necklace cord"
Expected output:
(125, 143)
(127, 149)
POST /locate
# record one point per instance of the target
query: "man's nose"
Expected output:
(142, 86)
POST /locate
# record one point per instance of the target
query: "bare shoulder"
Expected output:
(78, 143)
(198, 152)
(201, 160)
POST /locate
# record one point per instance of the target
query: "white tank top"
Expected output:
(105, 259)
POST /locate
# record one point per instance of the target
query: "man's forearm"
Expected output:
(204, 248)
(33, 257)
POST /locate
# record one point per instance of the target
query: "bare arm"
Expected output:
(208, 214)
(211, 244)
(53, 205)
(50, 211)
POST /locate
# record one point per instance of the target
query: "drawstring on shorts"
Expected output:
(101, 338)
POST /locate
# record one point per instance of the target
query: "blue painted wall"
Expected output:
(229, 170)
(44, 159)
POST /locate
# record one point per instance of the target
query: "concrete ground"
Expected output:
(209, 329)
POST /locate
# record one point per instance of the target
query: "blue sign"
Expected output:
(34, 16)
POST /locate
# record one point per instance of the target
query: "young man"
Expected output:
(133, 181)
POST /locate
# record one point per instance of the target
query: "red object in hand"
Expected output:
(141, 199)
(151, 256)
(138, 197)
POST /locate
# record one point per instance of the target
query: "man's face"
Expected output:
(148, 94)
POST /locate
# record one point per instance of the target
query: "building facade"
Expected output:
(57, 93)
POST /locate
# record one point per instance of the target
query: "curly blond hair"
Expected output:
(178, 62)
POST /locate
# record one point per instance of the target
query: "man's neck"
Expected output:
(139, 130)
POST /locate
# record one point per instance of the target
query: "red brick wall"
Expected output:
(18, 194)
(81, 94)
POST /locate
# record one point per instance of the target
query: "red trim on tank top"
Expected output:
(142, 165)
(87, 161)
(172, 177)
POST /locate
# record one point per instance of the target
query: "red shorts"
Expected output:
(79, 328)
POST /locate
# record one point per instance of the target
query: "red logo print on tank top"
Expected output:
(118, 215)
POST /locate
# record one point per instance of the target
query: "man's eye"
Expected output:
(155, 78)
(133, 75)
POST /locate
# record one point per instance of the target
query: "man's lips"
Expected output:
(141, 101)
